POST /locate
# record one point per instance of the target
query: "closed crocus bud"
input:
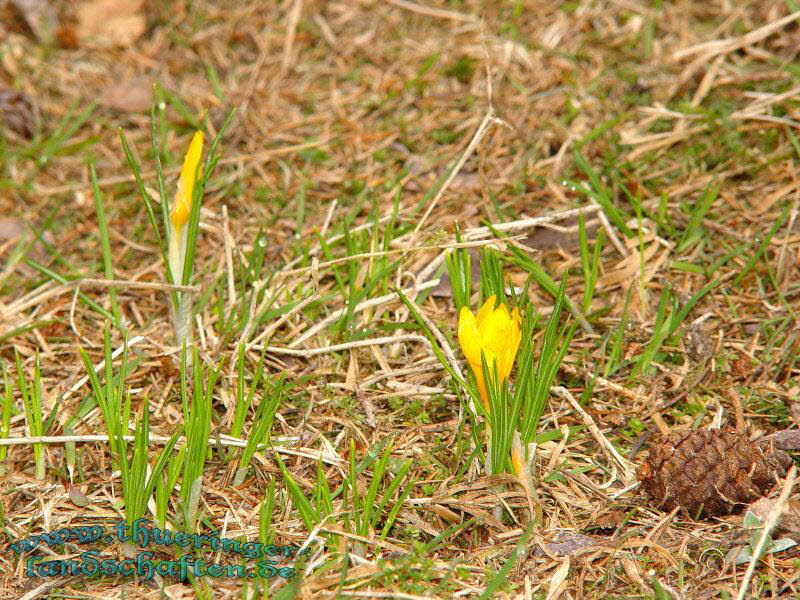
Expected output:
(182, 206)
(495, 332)
(183, 198)
(177, 237)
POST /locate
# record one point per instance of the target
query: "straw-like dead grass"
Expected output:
(343, 107)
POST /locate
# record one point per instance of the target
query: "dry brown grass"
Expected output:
(344, 101)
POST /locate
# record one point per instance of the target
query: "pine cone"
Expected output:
(710, 470)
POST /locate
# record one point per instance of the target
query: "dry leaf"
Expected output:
(131, 95)
(761, 508)
(608, 519)
(39, 16)
(630, 267)
(742, 367)
(466, 182)
(17, 113)
(787, 439)
(794, 411)
(11, 229)
(78, 498)
(111, 22)
(565, 543)
(67, 37)
(556, 585)
(548, 237)
(789, 523)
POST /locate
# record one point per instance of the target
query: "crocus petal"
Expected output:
(469, 337)
(180, 214)
(513, 338)
(183, 197)
(190, 163)
(481, 387)
(486, 310)
(493, 330)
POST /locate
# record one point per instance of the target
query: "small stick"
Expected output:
(251, 314)
(119, 283)
(162, 439)
(434, 12)
(610, 231)
(714, 47)
(479, 232)
(226, 235)
(328, 218)
(346, 345)
(782, 255)
(291, 32)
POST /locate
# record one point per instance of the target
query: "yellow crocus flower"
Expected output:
(496, 332)
(182, 207)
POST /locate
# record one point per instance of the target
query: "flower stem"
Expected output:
(183, 319)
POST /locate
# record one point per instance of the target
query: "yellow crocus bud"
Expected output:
(494, 331)
(183, 198)
(182, 208)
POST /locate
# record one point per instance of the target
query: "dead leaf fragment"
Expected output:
(17, 113)
(557, 581)
(789, 523)
(794, 411)
(565, 543)
(67, 37)
(742, 367)
(10, 229)
(78, 498)
(38, 15)
(111, 22)
(130, 96)
(608, 519)
(787, 439)
(791, 518)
